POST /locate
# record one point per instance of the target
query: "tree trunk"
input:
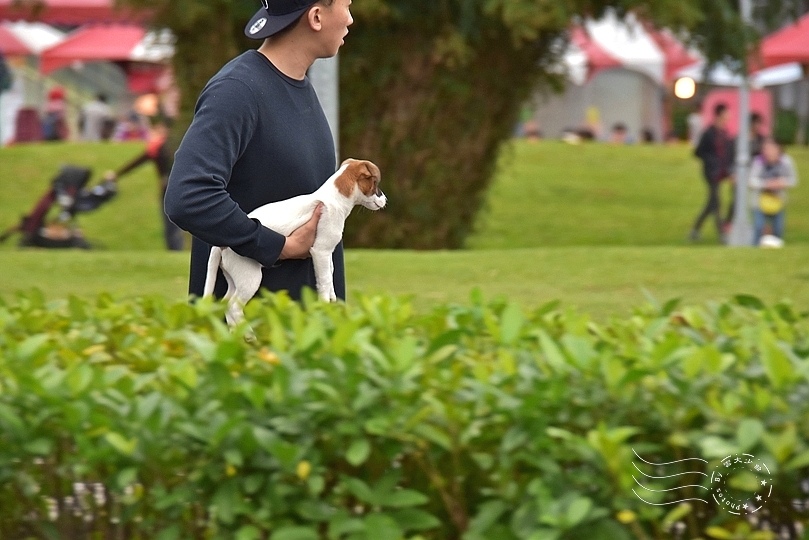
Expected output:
(200, 51)
(434, 126)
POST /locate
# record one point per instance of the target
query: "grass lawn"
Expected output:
(550, 206)
(602, 281)
(131, 221)
(549, 193)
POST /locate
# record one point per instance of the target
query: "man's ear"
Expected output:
(314, 17)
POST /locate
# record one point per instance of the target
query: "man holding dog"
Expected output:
(260, 135)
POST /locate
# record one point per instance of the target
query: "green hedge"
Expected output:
(786, 127)
(145, 419)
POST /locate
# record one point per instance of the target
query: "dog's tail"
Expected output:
(213, 268)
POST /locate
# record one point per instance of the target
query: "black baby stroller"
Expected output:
(71, 196)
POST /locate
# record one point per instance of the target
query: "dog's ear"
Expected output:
(369, 178)
(349, 178)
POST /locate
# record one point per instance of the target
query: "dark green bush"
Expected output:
(144, 419)
(785, 126)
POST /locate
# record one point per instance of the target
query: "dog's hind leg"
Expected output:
(324, 275)
(214, 260)
(235, 310)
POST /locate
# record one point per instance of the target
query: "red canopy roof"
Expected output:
(677, 56)
(10, 45)
(790, 44)
(597, 58)
(67, 12)
(110, 43)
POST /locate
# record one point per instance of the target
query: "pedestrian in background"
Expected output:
(157, 151)
(715, 150)
(96, 117)
(54, 124)
(771, 174)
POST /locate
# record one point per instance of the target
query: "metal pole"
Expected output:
(741, 232)
(324, 75)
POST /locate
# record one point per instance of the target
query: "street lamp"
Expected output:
(324, 75)
(741, 231)
(685, 88)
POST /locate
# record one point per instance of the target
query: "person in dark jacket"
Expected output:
(158, 152)
(260, 135)
(758, 135)
(715, 150)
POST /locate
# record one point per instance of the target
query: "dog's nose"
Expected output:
(379, 193)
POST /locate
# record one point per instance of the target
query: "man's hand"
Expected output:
(301, 240)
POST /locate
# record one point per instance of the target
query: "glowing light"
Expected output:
(685, 88)
(147, 105)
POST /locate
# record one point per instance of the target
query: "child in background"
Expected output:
(772, 173)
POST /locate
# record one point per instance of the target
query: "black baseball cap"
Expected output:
(274, 16)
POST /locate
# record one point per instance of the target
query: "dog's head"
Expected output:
(359, 181)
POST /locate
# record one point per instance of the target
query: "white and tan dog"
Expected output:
(356, 182)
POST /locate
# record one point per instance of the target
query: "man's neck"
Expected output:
(291, 60)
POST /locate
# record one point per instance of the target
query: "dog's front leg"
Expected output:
(323, 274)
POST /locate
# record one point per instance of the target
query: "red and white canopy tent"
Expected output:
(782, 58)
(106, 33)
(618, 67)
(143, 54)
(11, 45)
(35, 36)
(790, 44)
(67, 12)
(628, 43)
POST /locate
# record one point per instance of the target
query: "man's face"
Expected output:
(336, 19)
(722, 118)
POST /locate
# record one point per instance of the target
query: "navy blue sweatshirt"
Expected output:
(257, 136)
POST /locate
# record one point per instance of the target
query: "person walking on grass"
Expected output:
(260, 135)
(771, 174)
(715, 150)
(158, 152)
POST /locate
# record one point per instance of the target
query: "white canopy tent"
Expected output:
(619, 70)
(722, 75)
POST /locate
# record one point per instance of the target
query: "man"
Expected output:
(259, 135)
(715, 149)
(157, 151)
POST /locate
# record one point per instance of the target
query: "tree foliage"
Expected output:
(430, 90)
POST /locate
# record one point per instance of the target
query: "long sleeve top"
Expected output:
(715, 149)
(257, 137)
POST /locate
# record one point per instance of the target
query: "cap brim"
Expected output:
(263, 25)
